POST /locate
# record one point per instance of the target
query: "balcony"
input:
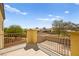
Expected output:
(49, 45)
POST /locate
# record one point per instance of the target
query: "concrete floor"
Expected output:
(19, 50)
(30, 50)
(23, 52)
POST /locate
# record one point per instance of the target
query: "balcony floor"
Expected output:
(19, 50)
(22, 52)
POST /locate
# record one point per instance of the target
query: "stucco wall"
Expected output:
(1, 27)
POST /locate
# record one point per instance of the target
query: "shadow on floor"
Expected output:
(29, 46)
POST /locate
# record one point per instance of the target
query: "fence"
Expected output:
(11, 39)
(63, 45)
(56, 43)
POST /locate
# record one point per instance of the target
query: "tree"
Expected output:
(58, 26)
(14, 29)
(37, 28)
(44, 28)
(5, 30)
(61, 27)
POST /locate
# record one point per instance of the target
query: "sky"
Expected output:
(32, 15)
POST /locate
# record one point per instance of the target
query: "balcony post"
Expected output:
(31, 40)
(74, 43)
(31, 36)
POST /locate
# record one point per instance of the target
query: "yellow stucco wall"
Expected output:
(74, 43)
(31, 36)
(2, 13)
(1, 26)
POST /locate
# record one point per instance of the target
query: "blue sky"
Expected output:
(31, 15)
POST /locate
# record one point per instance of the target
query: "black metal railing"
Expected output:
(56, 43)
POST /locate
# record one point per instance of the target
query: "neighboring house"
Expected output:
(2, 17)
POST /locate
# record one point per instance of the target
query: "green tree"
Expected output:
(59, 27)
(5, 30)
(14, 29)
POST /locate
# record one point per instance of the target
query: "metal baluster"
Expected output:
(62, 46)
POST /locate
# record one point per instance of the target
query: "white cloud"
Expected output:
(51, 19)
(6, 20)
(50, 15)
(66, 12)
(55, 19)
(76, 3)
(58, 16)
(12, 9)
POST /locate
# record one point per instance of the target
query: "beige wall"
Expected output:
(1, 28)
(74, 43)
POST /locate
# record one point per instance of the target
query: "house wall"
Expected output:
(1, 27)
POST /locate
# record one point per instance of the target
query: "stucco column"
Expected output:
(1, 26)
(31, 36)
(1, 35)
(74, 43)
(31, 40)
(1, 41)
